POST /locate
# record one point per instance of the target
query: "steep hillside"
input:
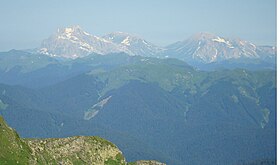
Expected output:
(71, 150)
(13, 149)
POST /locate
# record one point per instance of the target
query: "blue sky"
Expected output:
(25, 23)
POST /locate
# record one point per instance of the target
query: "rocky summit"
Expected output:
(208, 48)
(73, 42)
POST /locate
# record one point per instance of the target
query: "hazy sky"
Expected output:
(25, 23)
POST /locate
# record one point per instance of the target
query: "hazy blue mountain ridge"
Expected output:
(152, 108)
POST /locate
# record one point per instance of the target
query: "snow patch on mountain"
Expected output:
(126, 41)
(134, 44)
(218, 39)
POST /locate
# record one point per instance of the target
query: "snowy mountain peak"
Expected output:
(208, 48)
(74, 31)
(120, 37)
(66, 30)
(73, 42)
(203, 36)
(134, 44)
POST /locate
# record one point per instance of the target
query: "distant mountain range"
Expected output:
(73, 42)
(201, 48)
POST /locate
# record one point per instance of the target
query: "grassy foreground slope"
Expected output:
(13, 150)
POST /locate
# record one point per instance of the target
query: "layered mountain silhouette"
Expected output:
(151, 108)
